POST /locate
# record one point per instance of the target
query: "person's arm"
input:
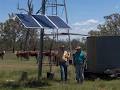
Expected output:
(68, 55)
(64, 57)
(84, 59)
(74, 59)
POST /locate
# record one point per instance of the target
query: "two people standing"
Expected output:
(78, 60)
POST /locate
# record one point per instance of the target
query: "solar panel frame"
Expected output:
(27, 20)
(58, 22)
(44, 21)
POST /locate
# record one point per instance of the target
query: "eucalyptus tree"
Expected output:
(111, 27)
(94, 33)
(30, 35)
(10, 33)
(1, 35)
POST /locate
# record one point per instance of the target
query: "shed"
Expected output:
(103, 53)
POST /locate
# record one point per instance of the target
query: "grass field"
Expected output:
(11, 69)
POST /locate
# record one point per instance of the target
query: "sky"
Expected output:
(83, 15)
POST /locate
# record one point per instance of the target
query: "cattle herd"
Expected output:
(52, 55)
(27, 54)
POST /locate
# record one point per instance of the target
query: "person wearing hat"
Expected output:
(78, 59)
(63, 59)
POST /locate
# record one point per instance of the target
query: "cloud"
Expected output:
(87, 22)
(84, 27)
(117, 6)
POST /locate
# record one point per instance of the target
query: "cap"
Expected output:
(78, 47)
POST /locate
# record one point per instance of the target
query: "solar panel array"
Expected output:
(42, 21)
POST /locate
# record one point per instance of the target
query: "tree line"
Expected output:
(13, 36)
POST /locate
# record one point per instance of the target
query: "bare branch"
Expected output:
(22, 9)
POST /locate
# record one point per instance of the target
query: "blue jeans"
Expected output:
(79, 73)
(63, 70)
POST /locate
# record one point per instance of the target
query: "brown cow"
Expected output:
(22, 54)
(33, 53)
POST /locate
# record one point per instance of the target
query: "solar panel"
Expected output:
(58, 22)
(28, 21)
(44, 21)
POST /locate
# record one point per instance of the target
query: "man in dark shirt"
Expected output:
(78, 59)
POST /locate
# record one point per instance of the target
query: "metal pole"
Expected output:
(66, 15)
(43, 7)
(56, 7)
(41, 44)
(40, 54)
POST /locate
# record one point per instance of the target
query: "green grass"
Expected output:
(11, 68)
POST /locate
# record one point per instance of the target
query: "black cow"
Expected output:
(2, 53)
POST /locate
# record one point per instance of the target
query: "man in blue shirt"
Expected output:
(78, 59)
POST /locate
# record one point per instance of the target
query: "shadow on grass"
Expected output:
(32, 83)
(93, 76)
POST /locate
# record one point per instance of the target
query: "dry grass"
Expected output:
(11, 69)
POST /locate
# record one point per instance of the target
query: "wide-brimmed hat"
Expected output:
(78, 47)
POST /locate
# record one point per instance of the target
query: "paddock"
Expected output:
(11, 69)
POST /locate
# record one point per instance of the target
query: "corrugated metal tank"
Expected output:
(103, 53)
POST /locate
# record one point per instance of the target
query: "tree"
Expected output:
(10, 32)
(30, 35)
(94, 33)
(111, 27)
(77, 42)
